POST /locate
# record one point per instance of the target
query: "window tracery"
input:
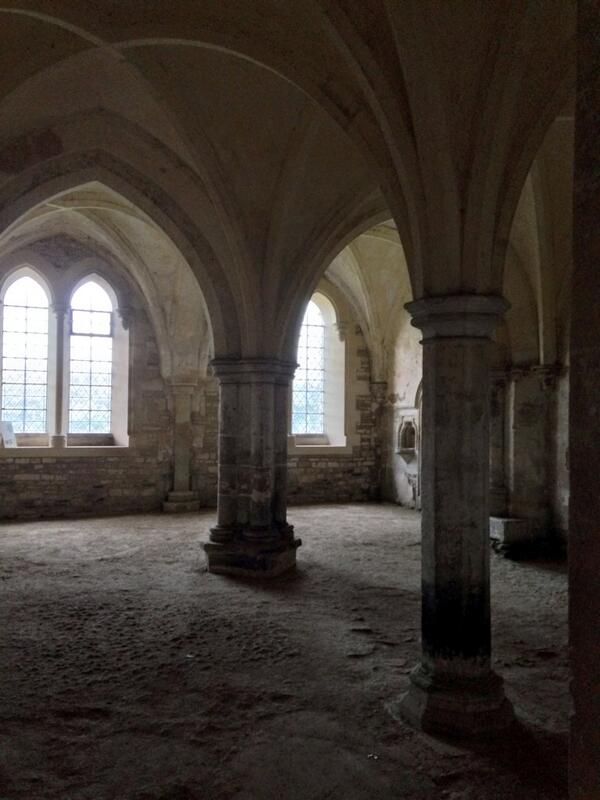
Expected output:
(309, 380)
(25, 356)
(318, 393)
(90, 367)
(63, 376)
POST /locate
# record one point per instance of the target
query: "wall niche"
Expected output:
(407, 439)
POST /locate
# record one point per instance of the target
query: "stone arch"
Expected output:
(26, 269)
(291, 314)
(123, 279)
(93, 276)
(72, 170)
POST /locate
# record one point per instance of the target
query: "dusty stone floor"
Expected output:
(128, 672)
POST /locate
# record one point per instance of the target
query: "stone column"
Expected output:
(529, 396)
(454, 690)
(182, 498)
(58, 437)
(252, 536)
(584, 420)
(498, 492)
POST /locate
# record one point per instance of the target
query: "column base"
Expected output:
(180, 502)
(58, 440)
(512, 536)
(266, 558)
(454, 706)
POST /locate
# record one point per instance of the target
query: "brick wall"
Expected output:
(138, 479)
(205, 427)
(120, 482)
(353, 476)
(66, 487)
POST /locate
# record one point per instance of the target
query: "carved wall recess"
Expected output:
(407, 439)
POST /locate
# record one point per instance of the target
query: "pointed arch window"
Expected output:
(318, 393)
(25, 356)
(91, 360)
(64, 376)
(308, 401)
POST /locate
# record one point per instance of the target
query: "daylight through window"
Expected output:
(91, 347)
(25, 356)
(309, 380)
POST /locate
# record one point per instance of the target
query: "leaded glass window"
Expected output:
(309, 381)
(25, 356)
(90, 372)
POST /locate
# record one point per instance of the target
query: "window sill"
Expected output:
(73, 451)
(310, 439)
(297, 448)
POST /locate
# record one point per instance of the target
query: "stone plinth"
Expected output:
(257, 559)
(511, 533)
(180, 502)
(252, 536)
(460, 706)
(181, 498)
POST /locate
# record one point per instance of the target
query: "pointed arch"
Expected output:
(24, 372)
(92, 341)
(66, 173)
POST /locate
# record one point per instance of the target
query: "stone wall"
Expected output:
(37, 487)
(205, 428)
(400, 481)
(529, 442)
(103, 481)
(137, 478)
(560, 456)
(353, 475)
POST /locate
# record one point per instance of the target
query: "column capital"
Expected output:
(472, 316)
(342, 330)
(126, 314)
(547, 373)
(60, 309)
(253, 370)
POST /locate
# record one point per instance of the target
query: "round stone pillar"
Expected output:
(252, 536)
(454, 690)
(498, 492)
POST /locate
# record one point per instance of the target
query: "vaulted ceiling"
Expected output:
(262, 136)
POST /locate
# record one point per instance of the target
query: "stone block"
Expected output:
(252, 559)
(456, 706)
(509, 533)
(181, 502)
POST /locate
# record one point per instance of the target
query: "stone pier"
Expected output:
(454, 690)
(58, 435)
(252, 536)
(182, 498)
(584, 422)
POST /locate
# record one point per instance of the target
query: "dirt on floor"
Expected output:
(127, 672)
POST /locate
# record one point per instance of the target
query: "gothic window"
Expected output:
(91, 357)
(64, 376)
(318, 390)
(25, 356)
(309, 381)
